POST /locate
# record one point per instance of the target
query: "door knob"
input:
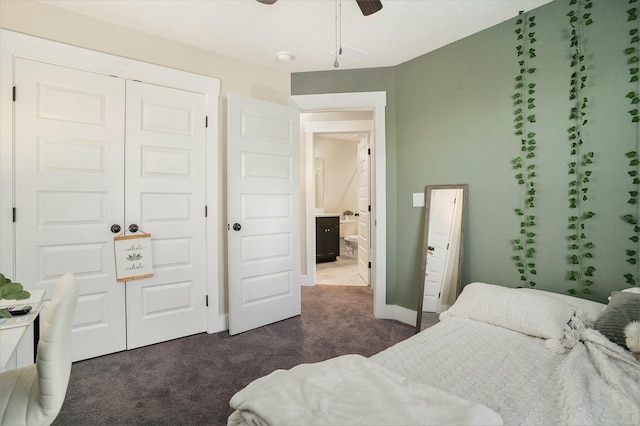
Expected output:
(133, 228)
(115, 228)
(237, 227)
(431, 248)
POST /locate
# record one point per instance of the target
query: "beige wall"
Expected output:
(235, 76)
(340, 159)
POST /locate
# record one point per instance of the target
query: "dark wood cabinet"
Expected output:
(327, 238)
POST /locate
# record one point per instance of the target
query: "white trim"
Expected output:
(14, 45)
(375, 101)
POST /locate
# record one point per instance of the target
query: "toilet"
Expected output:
(349, 238)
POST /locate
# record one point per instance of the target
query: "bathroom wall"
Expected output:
(340, 159)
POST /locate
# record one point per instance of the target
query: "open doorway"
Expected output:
(342, 198)
(373, 103)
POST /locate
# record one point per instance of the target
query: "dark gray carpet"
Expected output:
(190, 380)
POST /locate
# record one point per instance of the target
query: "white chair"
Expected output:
(33, 395)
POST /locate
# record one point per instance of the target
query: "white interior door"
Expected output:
(441, 218)
(263, 193)
(165, 175)
(363, 209)
(69, 179)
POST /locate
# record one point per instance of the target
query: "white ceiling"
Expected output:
(255, 32)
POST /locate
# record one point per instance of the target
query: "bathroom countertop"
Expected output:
(326, 214)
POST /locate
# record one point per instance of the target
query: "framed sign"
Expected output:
(133, 257)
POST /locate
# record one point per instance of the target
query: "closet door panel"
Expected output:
(165, 175)
(69, 180)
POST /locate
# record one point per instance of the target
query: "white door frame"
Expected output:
(376, 102)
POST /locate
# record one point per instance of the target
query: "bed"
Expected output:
(498, 356)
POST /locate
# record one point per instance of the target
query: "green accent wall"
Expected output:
(450, 119)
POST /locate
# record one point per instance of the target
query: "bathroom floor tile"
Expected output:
(344, 271)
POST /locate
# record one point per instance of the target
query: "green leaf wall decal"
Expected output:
(634, 163)
(579, 168)
(524, 125)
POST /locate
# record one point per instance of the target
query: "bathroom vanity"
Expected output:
(327, 238)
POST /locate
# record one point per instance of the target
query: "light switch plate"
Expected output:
(418, 199)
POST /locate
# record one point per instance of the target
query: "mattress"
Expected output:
(518, 377)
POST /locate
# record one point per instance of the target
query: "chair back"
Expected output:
(53, 360)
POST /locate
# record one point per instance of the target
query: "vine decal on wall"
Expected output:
(525, 118)
(633, 62)
(581, 272)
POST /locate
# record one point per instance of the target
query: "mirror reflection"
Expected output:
(441, 272)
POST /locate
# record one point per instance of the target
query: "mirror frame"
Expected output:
(463, 219)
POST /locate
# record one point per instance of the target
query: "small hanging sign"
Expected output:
(133, 257)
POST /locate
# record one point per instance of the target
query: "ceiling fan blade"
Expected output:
(267, 1)
(369, 7)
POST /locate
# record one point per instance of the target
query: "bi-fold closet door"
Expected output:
(92, 151)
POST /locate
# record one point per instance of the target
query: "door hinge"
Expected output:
(369, 265)
(14, 93)
(439, 294)
(369, 208)
(447, 246)
(368, 151)
(206, 211)
(206, 300)
(14, 214)
(206, 121)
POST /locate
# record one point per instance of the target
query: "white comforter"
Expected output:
(595, 383)
(351, 390)
(600, 383)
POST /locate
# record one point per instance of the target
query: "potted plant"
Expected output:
(11, 291)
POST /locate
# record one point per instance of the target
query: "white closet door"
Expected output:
(69, 161)
(165, 175)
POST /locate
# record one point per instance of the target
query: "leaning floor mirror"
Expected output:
(443, 248)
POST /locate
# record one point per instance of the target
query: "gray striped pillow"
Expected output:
(623, 308)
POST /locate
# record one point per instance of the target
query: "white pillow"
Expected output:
(591, 309)
(529, 312)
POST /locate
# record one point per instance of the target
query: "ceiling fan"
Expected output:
(367, 7)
